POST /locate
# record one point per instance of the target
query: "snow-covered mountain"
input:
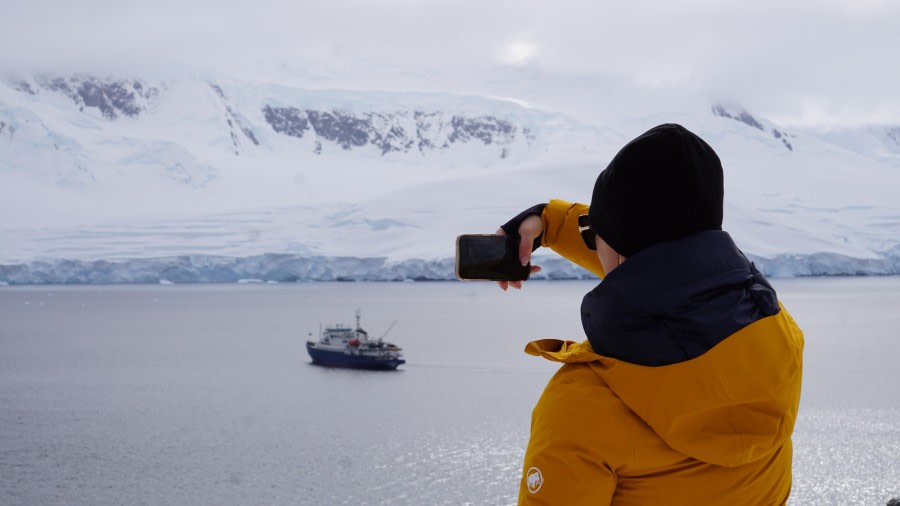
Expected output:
(112, 179)
(880, 142)
(96, 133)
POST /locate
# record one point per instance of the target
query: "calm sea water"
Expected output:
(204, 394)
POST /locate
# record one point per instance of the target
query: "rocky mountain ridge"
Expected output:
(399, 131)
(738, 113)
(387, 130)
(112, 97)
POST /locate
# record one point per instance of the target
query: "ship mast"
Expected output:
(359, 329)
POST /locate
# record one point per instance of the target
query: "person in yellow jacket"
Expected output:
(687, 388)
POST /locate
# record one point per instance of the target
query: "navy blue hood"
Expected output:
(675, 300)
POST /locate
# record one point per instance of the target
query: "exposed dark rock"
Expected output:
(218, 90)
(24, 87)
(742, 116)
(391, 137)
(893, 134)
(427, 126)
(783, 136)
(484, 128)
(390, 132)
(108, 98)
(233, 120)
(286, 120)
(529, 136)
(6, 129)
(343, 129)
(748, 119)
(57, 84)
(249, 134)
(112, 97)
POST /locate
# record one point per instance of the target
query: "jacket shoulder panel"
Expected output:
(729, 406)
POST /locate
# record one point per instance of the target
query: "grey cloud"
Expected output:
(798, 61)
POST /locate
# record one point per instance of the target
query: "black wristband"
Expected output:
(511, 227)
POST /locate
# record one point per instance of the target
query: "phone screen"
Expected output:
(489, 257)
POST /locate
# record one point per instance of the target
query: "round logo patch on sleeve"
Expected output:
(534, 479)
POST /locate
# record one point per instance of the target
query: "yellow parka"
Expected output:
(712, 429)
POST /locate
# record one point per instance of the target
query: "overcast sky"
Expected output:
(799, 62)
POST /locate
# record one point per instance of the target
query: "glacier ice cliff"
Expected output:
(302, 268)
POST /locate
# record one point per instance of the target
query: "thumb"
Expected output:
(530, 229)
(525, 244)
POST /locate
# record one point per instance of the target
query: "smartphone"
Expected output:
(489, 257)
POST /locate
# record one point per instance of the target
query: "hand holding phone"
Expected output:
(490, 257)
(529, 227)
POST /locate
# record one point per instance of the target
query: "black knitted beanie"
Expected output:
(665, 184)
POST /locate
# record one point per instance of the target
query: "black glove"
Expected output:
(511, 227)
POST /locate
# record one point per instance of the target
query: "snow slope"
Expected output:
(202, 178)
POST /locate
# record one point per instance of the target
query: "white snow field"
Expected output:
(112, 179)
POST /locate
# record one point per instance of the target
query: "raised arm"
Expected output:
(561, 234)
(553, 225)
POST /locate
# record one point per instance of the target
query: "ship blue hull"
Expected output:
(341, 359)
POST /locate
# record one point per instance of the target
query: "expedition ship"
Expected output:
(341, 346)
